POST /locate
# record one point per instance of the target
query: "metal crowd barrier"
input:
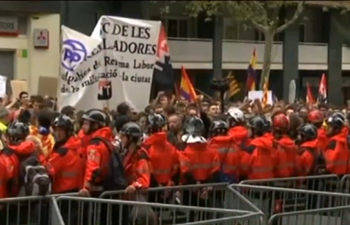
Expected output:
(218, 196)
(30, 210)
(97, 211)
(327, 182)
(298, 206)
(345, 184)
(183, 194)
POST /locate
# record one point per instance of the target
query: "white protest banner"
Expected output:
(252, 95)
(129, 53)
(3, 85)
(77, 57)
(119, 69)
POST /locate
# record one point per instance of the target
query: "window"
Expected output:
(302, 33)
(176, 27)
(231, 29)
(259, 36)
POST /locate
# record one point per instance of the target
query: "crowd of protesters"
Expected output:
(172, 142)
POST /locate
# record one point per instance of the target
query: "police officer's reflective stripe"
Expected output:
(203, 165)
(286, 165)
(161, 171)
(229, 167)
(261, 169)
(142, 170)
(215, 164)
(337, 162)
(245, 167)
(68, 174)
(226, 150)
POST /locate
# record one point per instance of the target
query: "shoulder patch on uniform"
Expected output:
(249, 149)
(61, 151)
(331, 145)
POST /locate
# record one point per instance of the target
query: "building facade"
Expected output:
(304, 51)
(29, 40)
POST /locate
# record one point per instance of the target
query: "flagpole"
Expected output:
(204, 94)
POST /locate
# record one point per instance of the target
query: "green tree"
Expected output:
(264, 16)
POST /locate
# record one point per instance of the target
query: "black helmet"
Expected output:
(194, 126)
(18, 130)
(156, 121)
(259, 124)
(120, 120)
(308, 131)
(218, 127)
(96, 116)
(132, 129)
(65, 122)
(336, 120)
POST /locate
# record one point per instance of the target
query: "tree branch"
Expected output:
(259, 27)
(295, 17)
(275, 14)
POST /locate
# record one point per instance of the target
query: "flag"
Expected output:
(163, 76)
(265, 94)
(309, 98)
(186, 88)
(322, 90)
(251, 77)
(233, 85)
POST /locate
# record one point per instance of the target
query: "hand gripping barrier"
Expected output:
(97, 211)
(290, 206)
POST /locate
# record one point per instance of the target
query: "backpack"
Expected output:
(319, 166)
(116, 179)
(33, 176)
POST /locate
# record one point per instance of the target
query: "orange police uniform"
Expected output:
(308, 152)
(163, 159)
(258, 159)
(9, 166)
(137, 168)
(240, 135)
(199, 163)
(97, 161)
(337, 153)
(286, 157)
(67, 166)
(228, 153)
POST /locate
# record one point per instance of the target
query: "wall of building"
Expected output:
(38, 62)
(83, 15)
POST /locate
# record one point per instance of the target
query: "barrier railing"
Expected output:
(282, 201)
(30, 210)
(93, 211)
(327, 182)
(288, 206)
(201, 195)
